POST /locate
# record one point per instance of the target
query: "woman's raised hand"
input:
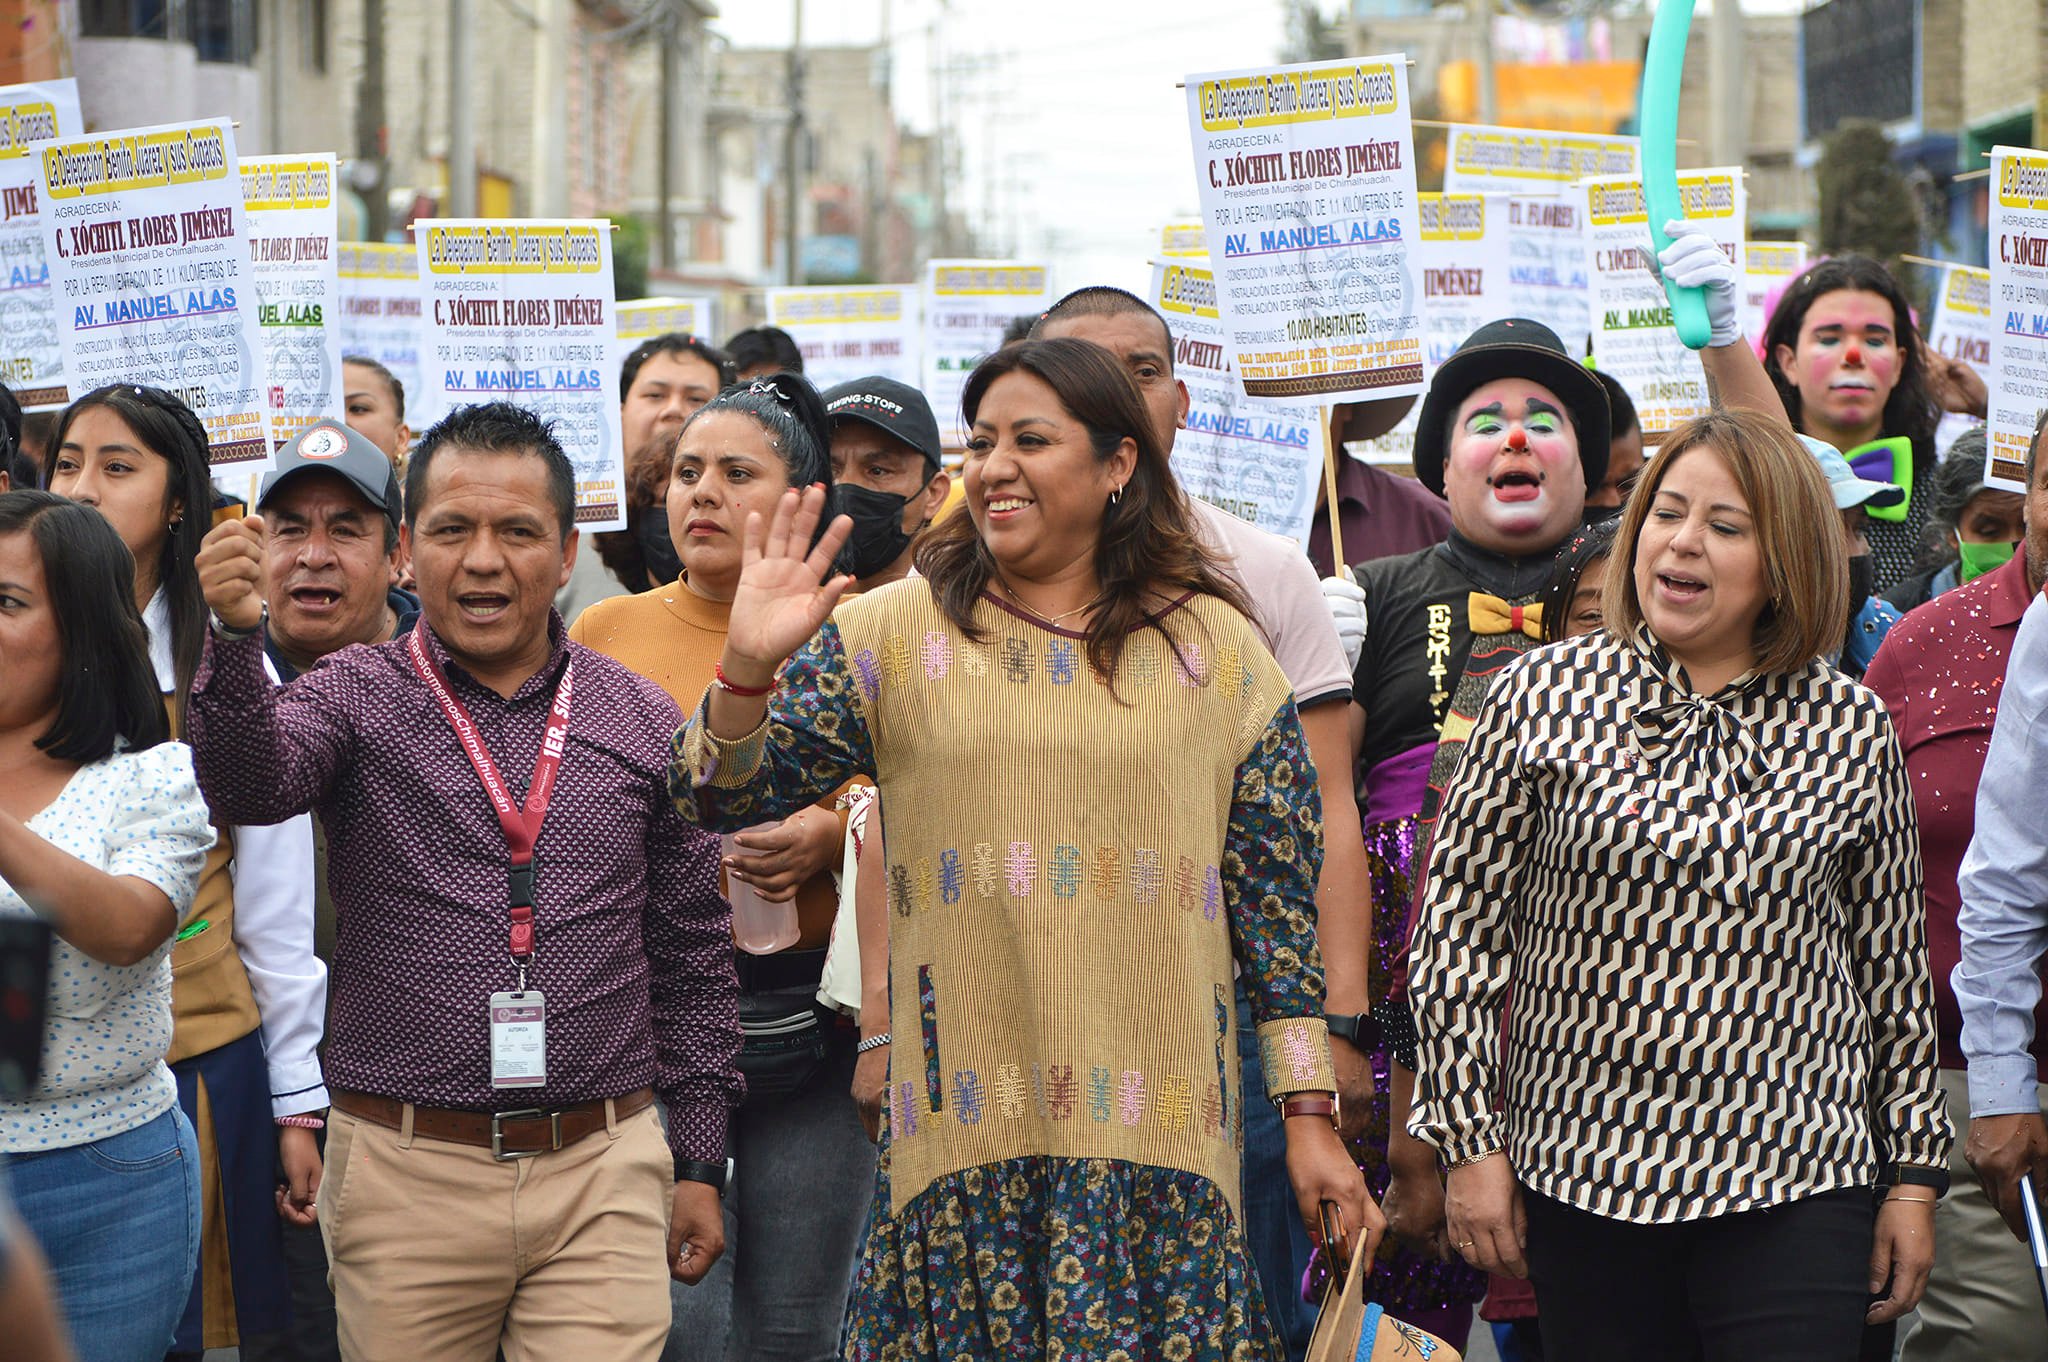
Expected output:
(785, 593)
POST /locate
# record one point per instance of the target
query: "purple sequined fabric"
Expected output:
(1410, 1285)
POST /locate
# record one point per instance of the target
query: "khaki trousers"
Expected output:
(438, 1251)
(1982, 1304)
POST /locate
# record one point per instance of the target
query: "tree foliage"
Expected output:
(1866, 205)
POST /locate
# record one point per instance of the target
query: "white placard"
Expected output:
(1479, 159)
(1261, 461)
(1462, 254)
(1766, 267)
(1962, 330)
(2019, 300)
(1307, 181)
(292, 230)
(967, 305)
(31, 353)
(1184, 239)
(855, 331)
(380, 316)
(1547, 266)
(1633, 337)
(521, 312)
(645, 318)
(148, 246)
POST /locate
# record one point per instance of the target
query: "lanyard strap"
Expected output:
(521, 827)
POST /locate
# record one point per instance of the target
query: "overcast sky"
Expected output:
(1074, 139)
(1070, 125)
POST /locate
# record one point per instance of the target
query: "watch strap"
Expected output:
(713, 1173)
(1915, 1175)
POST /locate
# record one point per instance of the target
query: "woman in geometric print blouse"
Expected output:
(1099, 800)
(1688, 850)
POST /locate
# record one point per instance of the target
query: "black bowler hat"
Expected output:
(1511, 348)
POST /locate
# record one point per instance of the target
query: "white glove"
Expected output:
(1692, 260)
(1346, 600)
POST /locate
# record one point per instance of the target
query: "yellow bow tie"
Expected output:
(1486, 614)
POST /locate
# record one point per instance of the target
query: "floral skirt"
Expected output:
(1058, 1258)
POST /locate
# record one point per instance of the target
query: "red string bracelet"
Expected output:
(745, 692)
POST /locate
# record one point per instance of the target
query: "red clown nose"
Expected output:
(1518, 439)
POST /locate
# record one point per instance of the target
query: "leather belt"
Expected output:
(507, 1134)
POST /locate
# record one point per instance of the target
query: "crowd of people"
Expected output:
(879, 907)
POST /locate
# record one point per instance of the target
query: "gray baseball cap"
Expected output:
(328, 446)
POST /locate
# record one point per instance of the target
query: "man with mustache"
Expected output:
(332, 561)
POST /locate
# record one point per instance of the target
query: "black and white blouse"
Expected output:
(1703, 917)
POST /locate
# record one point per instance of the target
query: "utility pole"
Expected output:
(670, 37)
(550, 168)
(461, 118)
(371, 151)
(1728, 130)
(792, 152)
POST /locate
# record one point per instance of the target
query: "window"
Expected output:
(127, 19)
(224, 30)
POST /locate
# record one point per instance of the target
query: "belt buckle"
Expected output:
(498, 1119)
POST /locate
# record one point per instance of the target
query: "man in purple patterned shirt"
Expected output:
(519, 965)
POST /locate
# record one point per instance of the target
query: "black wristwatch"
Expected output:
(713, 1173)
(1361, 1029)
(1916, 1175)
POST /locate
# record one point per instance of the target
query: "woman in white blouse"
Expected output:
(1687, 848)
(250, 994)
(102, 832)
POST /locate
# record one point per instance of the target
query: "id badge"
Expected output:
(519, 1040)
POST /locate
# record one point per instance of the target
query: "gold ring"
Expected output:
(1467, 1244)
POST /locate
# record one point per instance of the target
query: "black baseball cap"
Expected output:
(328, 446)
(896, 409)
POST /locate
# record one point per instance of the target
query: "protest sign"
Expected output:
(292, 228)
(645, 318)
(522, 312)
(1961, 329)
(380, 316)
(850, 332)
(1547, 266)
(148, 247)
(31, 354)
(2018, 380)
(1307, 182)
(967, 303)
(1259, 460)
(1633, 337)
(1184, 239)
(1462, 254)
(1481, 159)
(1547, 271)
(1767, 266)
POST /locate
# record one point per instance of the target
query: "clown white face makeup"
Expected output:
(1845, 365)
(1512, 473)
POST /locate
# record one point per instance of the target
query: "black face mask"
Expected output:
(1862, 582)
(878, 537)
(650, 531)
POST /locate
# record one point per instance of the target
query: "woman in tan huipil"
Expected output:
(1099, 802)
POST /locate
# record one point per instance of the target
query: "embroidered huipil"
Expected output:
(1067, 874)
(1708, 909)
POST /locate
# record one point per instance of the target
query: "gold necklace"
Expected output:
(1051, 620)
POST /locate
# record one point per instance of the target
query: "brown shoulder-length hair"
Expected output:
(1147, 549)
(1798, 536)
